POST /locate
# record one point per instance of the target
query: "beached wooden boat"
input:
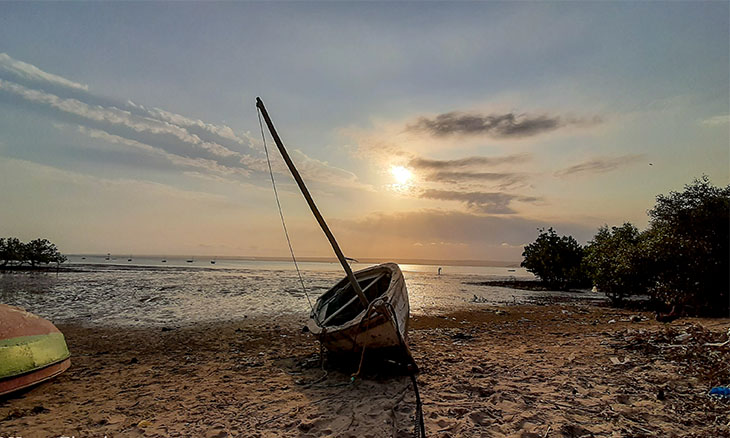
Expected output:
(343, 324)
(366, 310)
(32, 350)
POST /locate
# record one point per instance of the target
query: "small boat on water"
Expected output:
(32, 350)
(367, 309)
(343, 324)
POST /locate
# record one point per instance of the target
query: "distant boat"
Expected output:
(32, 350)
(510, 270)
(190, 260)
(130, 258)
(83, 258)
(212, 262)
(108, 256)
(164, 260)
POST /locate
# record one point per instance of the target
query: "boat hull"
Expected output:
(32, 350)
(376, 330)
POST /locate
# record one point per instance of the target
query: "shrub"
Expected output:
(556, 260)
(13, 252)
(688, 241)
(616, 262)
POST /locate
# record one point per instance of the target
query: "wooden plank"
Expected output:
(352, 300)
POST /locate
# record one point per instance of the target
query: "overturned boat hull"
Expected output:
(343, 324)
(32, 350)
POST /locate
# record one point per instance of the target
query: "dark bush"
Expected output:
(13, 252)
(616, 261)
(556, 260)
(688, 242)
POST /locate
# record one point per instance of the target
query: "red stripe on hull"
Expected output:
(25, 380)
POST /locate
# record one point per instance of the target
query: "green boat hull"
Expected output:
(32, 349)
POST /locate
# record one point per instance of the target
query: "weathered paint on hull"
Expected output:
(33, 378)
(32, 349)
(375, 332)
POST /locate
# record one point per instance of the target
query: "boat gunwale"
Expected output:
(358, 320)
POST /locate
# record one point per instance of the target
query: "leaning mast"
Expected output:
(312, 206)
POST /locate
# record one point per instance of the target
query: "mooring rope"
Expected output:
(419, 429)
(281, 215)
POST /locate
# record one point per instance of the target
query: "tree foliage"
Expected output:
(617, 263)
(682, 260)
(556, 260)
(13, 252)
(688, 240)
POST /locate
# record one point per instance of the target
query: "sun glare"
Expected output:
(402, 175)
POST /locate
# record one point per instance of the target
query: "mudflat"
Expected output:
(557, 370)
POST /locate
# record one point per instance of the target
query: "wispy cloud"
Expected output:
(185, 142)
(600, 165)
(467, 162)
(723, 119)
(470, 170)
(500, 179)
(23, 72)
(481, 202)
(507, 125)
(457, 227)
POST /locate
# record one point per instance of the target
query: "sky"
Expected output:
(423, 130)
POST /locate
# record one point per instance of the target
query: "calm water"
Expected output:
(150, 292)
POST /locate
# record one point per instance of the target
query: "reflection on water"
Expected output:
(177, 294)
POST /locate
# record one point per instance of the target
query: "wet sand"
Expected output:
(560, 370)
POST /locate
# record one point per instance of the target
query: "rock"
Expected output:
(635, 318)
(613, 321)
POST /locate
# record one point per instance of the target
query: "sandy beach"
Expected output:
(560, 370)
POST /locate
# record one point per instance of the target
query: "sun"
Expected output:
(402, 175)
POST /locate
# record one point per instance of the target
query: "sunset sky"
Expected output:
(424, 130)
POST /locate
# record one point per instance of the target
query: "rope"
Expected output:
(419, 429)
(281, 215)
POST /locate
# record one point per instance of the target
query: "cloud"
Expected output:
(463, 170)
(507, 125)
(22, 71)
(723, 119)
(481, 202)
(65, 178)
(600, 165)
(468, 162)
(185, 142)
(457, 227)
(504, 180)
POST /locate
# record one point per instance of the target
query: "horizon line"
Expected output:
(332, 259)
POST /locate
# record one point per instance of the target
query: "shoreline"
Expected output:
(566, 369)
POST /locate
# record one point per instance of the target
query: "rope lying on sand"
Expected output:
(419, 430)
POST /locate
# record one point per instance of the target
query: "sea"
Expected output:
(95, 290)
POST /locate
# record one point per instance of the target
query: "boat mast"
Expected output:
(312, 206)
